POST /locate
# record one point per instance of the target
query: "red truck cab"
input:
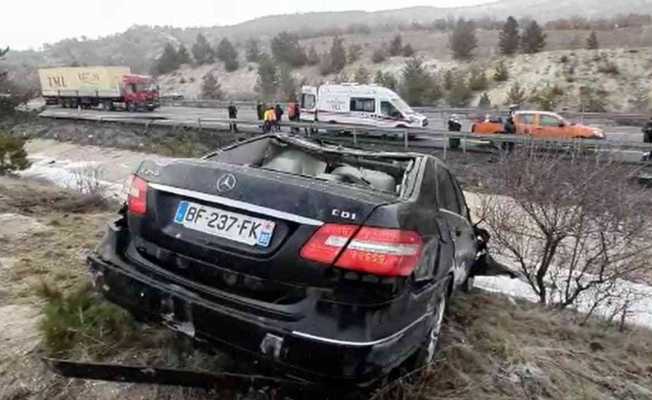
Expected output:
(140, 92)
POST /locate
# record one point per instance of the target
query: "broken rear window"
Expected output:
(326, 163)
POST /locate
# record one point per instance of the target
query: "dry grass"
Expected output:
(495, 348)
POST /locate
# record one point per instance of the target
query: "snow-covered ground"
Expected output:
(64, 164)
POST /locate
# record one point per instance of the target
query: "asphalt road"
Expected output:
(186, 115)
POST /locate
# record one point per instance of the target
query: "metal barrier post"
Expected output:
(355, 137)
(464, 145)
(445, 147)
(199, 122)
(406, 138)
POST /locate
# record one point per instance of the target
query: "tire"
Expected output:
(131, 107)
(426, 353)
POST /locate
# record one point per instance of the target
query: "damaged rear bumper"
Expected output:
(292, 352)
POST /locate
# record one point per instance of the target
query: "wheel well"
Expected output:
(451, 285)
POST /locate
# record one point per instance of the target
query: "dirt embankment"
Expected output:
(492, 347)
(167, 141)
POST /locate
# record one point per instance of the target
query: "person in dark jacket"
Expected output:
(260, 110)
(279, 116)
(233, 115)
(647, 131)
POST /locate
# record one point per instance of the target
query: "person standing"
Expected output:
(269, 119)
(233, 116)
(293, 114)
(279, 116)
(260, 111)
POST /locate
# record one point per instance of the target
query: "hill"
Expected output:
(139, 45)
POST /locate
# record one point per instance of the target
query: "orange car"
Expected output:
(540, 124)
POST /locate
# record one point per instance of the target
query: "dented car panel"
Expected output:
(322, 260)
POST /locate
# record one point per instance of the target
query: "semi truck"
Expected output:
(109, 87)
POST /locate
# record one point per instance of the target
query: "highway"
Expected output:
(185, 115)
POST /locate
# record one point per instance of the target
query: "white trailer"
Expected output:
(354, 104)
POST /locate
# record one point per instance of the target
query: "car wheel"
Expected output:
(131, 107)
(426, 354)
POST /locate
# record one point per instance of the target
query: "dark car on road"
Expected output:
(333, 264)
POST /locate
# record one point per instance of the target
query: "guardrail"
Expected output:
(419, 139)
(469, 112)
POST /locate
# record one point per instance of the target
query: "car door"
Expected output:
(453, 210)
(550, 127)
(525, 123)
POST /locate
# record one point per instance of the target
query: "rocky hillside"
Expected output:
(139, 45)
(617, 76)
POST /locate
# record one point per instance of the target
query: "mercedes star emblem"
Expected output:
(226, 183)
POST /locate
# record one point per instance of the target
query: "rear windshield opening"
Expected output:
(379, 173)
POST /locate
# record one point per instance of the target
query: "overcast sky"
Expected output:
(30, 23)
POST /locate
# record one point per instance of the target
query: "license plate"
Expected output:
(225, 224)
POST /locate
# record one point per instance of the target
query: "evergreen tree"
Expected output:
(509, 38)
(337, 55)
(168, 61)
(378, 56)
(354, 53)
(362, 75)
(640, 100)
(228, 55)
(592, 41)
(13, 156)
(408, 51)
(516, 95)
(210, 88)
(183, 57)
(386, 80)
(202, 51)
(460, 94)
(396, 46)
(485, 102)
(287, 82)
(312, 58)
(253, 50)
(449, 80)
(267, 81)
(287, 50)
(417, 86)
(462, 41)
(478, 80)
(533, 39)
(502, 73)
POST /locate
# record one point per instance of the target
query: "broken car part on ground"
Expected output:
(329, 264)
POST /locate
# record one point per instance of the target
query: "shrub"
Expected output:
(462, 41)
(502, 73)
(83, 322)
(516, 94)
(460, 94)
(378, 56)
(13, 156)
(478, 80)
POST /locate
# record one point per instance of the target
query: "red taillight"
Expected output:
(137, 196)
(378, 251)
(327, 242)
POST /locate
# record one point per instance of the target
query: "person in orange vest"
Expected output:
(269, 120)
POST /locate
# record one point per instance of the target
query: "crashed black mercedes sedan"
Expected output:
(334, 264)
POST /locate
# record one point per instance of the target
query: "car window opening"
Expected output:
(379, 173)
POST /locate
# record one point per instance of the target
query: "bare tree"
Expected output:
(575, 227)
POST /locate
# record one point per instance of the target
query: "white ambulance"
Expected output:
(353, 104)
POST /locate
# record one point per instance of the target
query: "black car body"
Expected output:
(332, 263)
